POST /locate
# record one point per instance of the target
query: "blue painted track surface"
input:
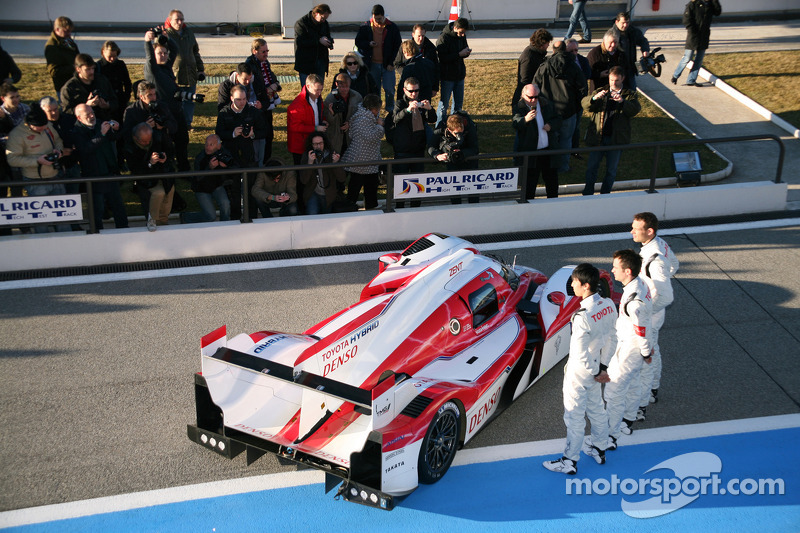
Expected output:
(508, 495)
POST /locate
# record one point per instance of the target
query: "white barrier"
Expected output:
(26, 252)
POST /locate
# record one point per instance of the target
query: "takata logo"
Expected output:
(694, 474)
(409, 183)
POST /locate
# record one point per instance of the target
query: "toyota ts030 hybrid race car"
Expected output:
(382, 394)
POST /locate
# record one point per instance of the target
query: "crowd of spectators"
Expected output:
(91, 127)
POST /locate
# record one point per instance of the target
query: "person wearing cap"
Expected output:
(34, 147)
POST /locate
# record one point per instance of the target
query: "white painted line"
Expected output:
(332, 259)
(215, 489)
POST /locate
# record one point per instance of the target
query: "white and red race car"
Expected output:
(381, 395)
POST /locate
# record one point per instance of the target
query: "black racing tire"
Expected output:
(440, 444)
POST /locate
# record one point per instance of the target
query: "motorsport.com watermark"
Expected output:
(695, 474)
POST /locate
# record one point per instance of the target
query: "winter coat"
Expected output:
(335, 120)
(442, 139)
(260, 84)
(300, 122)
(363, 84)
(138, 161)
(76, 92)
(428, 52)
(448, 46)
(697, 17)
(620, 117)
(406, 140)
(528, 63)
(60, 56)
(391, 42)
(601, 61)
(561, 81)
(528, 132)
(425, 72)
(139, 112)
(24, 146)
(307, 48)
(265, 186)
(9, 68)
(206, 180)
(365, 141)
(120, 79)
(332, 178)
(628, 42)
(96, 151)
(162, 76)
(188, 63)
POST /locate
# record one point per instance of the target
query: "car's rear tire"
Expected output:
(440, 444)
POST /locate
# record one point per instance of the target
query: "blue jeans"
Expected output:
(47, 190)
(207, 211)
(612, 161)
(579, 16)
(188, 106)
(386, 79)
(698, 62)
(320, 69)
(565, 143)
(317, 204)
(448, 88)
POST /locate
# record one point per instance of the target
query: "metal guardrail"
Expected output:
(245, 173)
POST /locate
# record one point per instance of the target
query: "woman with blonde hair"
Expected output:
(360, 79)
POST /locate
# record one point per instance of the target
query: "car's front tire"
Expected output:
(440, 444)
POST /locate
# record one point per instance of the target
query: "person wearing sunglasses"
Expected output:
(536, 123)
(360, 79)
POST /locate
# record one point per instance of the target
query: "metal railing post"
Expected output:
(90, 208)
(523, 179)
(245, 198)
(389, 207)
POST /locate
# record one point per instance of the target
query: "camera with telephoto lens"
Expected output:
(53, 157)
(246, 127)
(223, 157)
(651, 64)
(188, 96)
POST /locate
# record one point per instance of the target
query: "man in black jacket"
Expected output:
(410, 116)
(536, 120)
(697, 17)
(561, 82)
(148, 108)
(312, 42)
(426, 48)
(147, 154)
(266, 85)
(629, 37)
(416, 66)
(94, 143)
(452, 48)
(378, 41)
(89, 87)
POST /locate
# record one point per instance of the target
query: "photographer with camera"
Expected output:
(149, 109)
(94, 143)
(453, 142)
(410, 116)
(89, 87)
(276, 189)
(257, 97)
(339, 107)
(312, 43)
(628, 38)
(188, 63)
(320, 184)
(209, 187)
(35, 148)
(239, 125)
(146, 154)
(160, 52)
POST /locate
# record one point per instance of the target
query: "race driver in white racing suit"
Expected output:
(622, 393)
(591, 346)
(659, 264)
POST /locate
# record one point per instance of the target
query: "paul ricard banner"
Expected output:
(41, 209)
(455, 183)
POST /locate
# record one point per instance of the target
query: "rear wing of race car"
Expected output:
(273, 394)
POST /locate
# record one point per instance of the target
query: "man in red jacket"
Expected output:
(305, 115)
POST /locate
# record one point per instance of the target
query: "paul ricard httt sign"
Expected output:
(41, 209)
(455, 183)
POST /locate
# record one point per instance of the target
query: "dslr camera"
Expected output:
(318, 155)
(339, 106)
(223, 157)
(246, 128)
(53, 157)
(155, 114)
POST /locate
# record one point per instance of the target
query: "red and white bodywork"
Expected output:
(383, 393)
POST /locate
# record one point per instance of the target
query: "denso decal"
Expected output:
(600, 314)
(264, 345)
(364, 332)
(254, 431)
(339, 360)
(485, 410)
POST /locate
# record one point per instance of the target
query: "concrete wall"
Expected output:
(199, 240)
(211, 12)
